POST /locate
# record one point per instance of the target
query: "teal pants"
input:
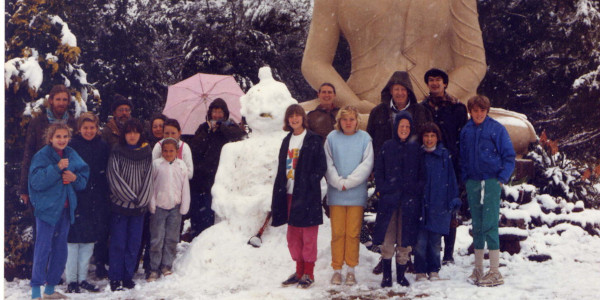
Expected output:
(484, 203)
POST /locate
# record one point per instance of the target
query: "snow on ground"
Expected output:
(219, 264)
(225, 267)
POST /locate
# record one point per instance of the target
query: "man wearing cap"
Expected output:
(450, 115)
(121, 109)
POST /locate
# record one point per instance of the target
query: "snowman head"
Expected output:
(265, 103)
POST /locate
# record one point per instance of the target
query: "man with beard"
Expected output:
(121, 109)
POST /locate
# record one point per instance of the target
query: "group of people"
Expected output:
(420, 154)
(115, 194)
(122, 192)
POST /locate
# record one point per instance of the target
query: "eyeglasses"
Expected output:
(124, 110)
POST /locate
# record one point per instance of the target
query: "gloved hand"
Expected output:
(455, 205)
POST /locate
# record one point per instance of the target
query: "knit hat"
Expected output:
(119, 100)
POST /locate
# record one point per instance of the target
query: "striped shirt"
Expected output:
(129, 176)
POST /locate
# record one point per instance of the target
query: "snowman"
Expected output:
(243, 185)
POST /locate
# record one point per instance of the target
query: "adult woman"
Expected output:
(92, 213)
(55, 173)
(156, 130)
(129, 174)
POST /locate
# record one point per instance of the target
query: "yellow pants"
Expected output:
(346, 222)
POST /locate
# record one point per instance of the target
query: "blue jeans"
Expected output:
(164, 232)
(78, 261)
(427, 251)
(125, 241)
(50, 250)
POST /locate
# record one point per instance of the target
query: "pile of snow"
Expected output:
(27, 68)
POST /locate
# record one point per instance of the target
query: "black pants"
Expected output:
(201, 214)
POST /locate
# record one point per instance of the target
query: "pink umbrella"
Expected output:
(188, 100)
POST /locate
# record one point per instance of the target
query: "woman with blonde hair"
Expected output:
(55, 173)
(349, 154)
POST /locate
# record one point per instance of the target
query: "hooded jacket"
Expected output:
(381, 119)
(46, 189)
(206, 147)
(440, 190)
(399, 178)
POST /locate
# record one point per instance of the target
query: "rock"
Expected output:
(524, 169)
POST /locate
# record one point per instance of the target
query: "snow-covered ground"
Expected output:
(220, 265)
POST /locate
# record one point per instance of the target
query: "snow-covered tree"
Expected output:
(41, 51)
(543, 60)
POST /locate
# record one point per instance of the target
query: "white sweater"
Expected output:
(171, 185)
(186, 156)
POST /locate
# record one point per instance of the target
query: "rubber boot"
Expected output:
(400, 269)
(386, 280)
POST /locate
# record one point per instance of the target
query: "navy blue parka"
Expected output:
(399, 177)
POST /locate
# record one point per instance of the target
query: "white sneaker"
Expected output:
(491, 279)
(421, 277)
(336, 278)
(350, 279)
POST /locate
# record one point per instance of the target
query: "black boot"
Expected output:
(400, 269)
(386, 281)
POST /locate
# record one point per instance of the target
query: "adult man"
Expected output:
(206, 147)
(396, 96)
(450, 115)
(121, 109)
(58, 102)
(386, 36)
(321, 120)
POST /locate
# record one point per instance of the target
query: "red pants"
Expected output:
(302, 241)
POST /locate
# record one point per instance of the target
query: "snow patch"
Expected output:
(67, 37)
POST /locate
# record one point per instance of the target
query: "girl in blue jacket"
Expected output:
(440, 199)
(399, 177)
(487, 160)
(56, 171)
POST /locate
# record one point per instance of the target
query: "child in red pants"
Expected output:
(297, 193)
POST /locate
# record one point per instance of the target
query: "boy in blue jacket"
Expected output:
(487, 160)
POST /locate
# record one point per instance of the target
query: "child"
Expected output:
(349, 155)
(170, 200)
(487, 160)
(297, 193)
(129, 174)
(55, 173)
(439, 201)
(399, 177)
(93, 210)
(171, 129)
